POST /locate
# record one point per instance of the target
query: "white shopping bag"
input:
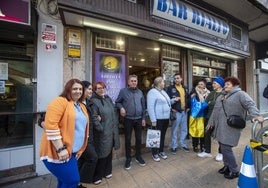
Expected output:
(153, 138)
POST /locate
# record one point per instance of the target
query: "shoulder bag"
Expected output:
(234, 121)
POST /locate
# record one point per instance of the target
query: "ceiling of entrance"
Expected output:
(248, 12)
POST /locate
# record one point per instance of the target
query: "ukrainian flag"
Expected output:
(197, 118)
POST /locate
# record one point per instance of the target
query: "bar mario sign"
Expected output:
(189, 16)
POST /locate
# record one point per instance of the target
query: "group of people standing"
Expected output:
(81, 125)
(80, 132)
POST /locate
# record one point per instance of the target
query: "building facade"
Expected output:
(100, 40)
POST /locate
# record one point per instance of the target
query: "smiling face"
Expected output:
(77, 91)
(88, 92)
(100, 90)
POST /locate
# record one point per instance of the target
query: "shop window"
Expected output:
(144, 61)
(110, 41)
(171, 52)
(16, 96)
(208, 67)
(143, 53)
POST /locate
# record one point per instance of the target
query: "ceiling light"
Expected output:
(172, 42)
(120, 42)
(156, 49)
(110, 28)
(142, 60)
(223, 54)
(130, 66)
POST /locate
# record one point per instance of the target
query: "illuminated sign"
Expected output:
(189, 16)
(16, 11)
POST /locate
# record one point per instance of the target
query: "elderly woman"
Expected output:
(159, 106)
(235, 102)
(105, 121)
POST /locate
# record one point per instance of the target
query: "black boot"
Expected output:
(224, 170)
(231, 175)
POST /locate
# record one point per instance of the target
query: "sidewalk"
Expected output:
(183, 170)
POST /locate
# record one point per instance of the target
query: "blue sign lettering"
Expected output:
(190, 17)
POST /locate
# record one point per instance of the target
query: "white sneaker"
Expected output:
(156, 158)
(218, 157)
(204, 154)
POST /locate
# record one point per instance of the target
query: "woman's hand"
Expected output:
(153, 124)
(209, 127)
(63, 155)
(258, 118)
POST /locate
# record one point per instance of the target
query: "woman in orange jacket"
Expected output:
(66, 134)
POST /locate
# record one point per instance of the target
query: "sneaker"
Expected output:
(163, 155)
(185, 149)
(173, 150)
(156, 158)
(128, 164)
(97, 182)
(204, 154)
(140, 161)
(218, 157)
(108, 176)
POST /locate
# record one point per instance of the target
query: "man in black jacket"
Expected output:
(131, 104)
(181, 109)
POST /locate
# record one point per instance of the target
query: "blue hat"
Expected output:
(220, 81)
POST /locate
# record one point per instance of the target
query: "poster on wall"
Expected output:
(74, 43)
(3, 71)
(48, 33)
(110, 68)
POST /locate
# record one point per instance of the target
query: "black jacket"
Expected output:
(173, 92)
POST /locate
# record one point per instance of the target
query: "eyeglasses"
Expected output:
(100, 88)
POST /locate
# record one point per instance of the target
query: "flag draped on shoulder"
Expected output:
(197, 117)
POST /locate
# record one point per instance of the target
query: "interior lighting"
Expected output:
(142, 60)
(156, 49)
(120, 42)
(110, 28)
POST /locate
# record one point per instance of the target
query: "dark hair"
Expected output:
(86, 84)
(98, 83)
(177, 74)
(68, 89)
(234, 80)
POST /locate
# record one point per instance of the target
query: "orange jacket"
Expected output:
(60, 124)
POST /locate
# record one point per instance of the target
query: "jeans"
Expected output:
(229, 157)
(181, 122)
(129, 124)
(162, 125)
(66, 173)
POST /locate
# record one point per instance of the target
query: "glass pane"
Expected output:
(143, 53)
(16, 103)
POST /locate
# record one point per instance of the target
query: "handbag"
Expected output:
(234, 121)
(153, 138)
(172, 116)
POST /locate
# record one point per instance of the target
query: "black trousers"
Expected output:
(87, 164)
(129, 124)
(103, 168)
(162, 125)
